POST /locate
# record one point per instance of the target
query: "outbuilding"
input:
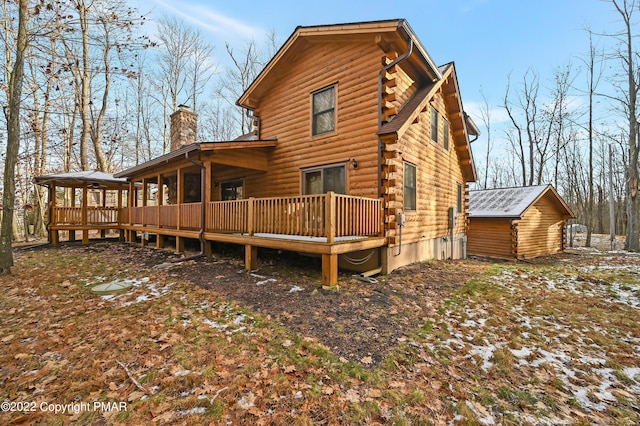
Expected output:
(521, 222)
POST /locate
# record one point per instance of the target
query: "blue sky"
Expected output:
(487, 39)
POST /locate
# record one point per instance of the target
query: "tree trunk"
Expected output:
(85, 75)
(13, 140)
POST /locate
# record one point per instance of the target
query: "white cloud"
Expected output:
(497, 114)
(208, 19)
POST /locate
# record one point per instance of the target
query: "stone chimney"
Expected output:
(184, 127)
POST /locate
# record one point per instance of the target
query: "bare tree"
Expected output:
(485, 116)
(246, 67)
(628, 56)
(12, 113)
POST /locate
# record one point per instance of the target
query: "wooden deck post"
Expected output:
(120, 216)
(329, 269)
(85, 201)
(250, 213)
(159, 241)
(54, 236)
(250, 257)
(72, 232)
(179, 244)
(330, 216)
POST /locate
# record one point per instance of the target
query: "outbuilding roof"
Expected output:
(510, 202)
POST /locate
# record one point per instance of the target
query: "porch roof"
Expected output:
(184, 151)
(89, 177)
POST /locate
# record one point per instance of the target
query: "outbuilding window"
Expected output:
(324, 110)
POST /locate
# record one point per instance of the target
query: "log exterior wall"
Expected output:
(492, 237)
(540, 231)
(285, 112)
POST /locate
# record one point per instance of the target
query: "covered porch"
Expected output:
(325, 224)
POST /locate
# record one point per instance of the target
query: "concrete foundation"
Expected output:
(440, 248)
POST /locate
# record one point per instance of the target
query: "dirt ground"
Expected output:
(356, 321)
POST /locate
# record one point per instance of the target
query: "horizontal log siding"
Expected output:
(285, 112)
(491, 237)
(540, 229)
(438, 172)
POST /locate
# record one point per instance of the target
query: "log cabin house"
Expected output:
(517, 223)
(360, 154)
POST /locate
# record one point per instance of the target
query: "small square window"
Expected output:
(410, 187)
(324, 111)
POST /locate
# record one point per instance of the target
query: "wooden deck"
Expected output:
(326, 224)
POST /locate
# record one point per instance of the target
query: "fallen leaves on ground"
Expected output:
(524, 344)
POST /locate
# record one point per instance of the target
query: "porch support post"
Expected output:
(159, 241)
(72, 232)
(179, 198)
(179, 244)
(119, 216)
(329, 269)
(85, 200)
(208, 247)
(250, 257)
(103, 232)
(54, 236)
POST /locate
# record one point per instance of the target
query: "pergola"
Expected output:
(86, 206)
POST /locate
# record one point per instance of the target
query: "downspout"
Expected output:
(203, 195)
(383, 70)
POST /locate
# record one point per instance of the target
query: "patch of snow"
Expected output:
(239, 319)
(195, 410)
(296, 289)
(182, 373)
(484, 417)
(268, 280)
(486, 353)
(633, 373)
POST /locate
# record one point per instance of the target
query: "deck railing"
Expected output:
(327, 216)
(95, 216)
(168, 216)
